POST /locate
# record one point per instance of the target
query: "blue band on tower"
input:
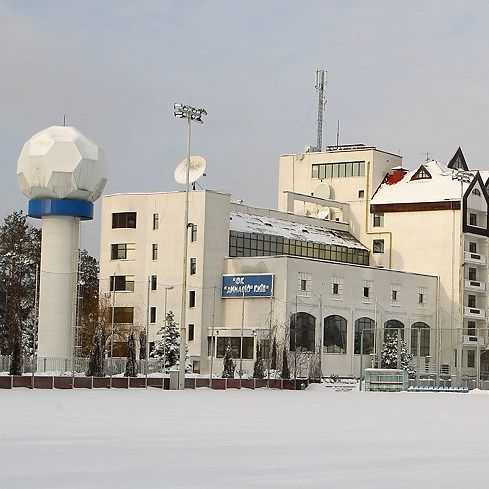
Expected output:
(61, 207)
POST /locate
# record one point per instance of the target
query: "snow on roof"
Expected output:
(440, 187)
(249, 223)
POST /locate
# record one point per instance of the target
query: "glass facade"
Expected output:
(339, 170)
(256, 244)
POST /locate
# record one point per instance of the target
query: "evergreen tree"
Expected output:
(19, 256)
(389, 354)
(96, 359)
(131, 365)
(285, 365)
(273, 363)
(258, 370)
(167, 346)
(228, 364)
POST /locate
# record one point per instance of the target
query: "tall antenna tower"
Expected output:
(321, 81)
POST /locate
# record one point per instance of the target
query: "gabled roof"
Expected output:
(458, 161)
(421, 174)
(441, 187)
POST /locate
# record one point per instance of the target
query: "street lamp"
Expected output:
(167, 288)
(191, 114)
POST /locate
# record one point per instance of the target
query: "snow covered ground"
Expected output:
(316, 438)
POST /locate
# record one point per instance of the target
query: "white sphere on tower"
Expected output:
(61, 163)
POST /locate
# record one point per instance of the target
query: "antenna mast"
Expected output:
(321, 81)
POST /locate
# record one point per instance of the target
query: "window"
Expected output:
(123, 220)
(257, 244)
(123, 314)
(421, 174)
(472, 219)
(394, 325)
(378, 246)
(471, 301)
(154, 282)
(367, 326)
(191, 298)
(303, 284)
(336, 289)
(191, 332)
(152, 315)
(154, 251)
(420, 298)
(335, 339)
(477, 192)
(123, 283)
(472, 273)
(265, 348)
(366, 292)
(361, 194)
(471, 329)
(193, 266)
(422, 295)
(339, 170)
(156, 221)
(193, 232)
(470, 358)
(420, 339)
(234, 343)
(122, 251)
(394, 295)
(378, 220)
(302, 331)
(472, 247)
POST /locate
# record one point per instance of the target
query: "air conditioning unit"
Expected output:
(471, 340)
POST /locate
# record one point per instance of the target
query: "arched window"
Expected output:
(420, 338)
(366, 325)
(302, 331)
(335, 334)
(393, 324)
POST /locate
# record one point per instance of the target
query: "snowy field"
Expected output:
(242, 439)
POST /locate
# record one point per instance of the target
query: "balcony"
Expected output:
(470, 340)
(474, 313)
(474, 258)
(474, 285)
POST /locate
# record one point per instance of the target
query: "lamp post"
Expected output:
(191, 114)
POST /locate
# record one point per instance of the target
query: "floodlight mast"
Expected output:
(191, 114)
(321, 80)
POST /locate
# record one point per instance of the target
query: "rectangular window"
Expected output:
(123, 315)
(473, 274)
(472, 247)
(379, 220)
(234, 344)
(123, 283)
(471, 301)
(191, 332)
(378, 246)
(394, 295)
(154, 282)
(420, 298)
(361, 194)
(471, 330)
(122, 251)
(191, 298)
(303, 285)
(336, 289)
(154, 251)
(470, 358)
(152, 315)
(156, 221)
(193, 232)
(472, 219)
(123, 220)
(193, 266)
(366, 292)
(338, 170)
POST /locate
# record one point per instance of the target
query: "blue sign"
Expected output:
(251, 285)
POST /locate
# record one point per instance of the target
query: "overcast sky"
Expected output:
(407, 77)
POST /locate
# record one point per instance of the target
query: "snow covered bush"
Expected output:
(389, 354)
(228, 364)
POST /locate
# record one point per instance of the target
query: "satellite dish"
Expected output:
(322, 191)
(324, 213)
(196, 170)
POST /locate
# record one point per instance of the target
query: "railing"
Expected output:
(474, 258)
(474, 312)
(474, 285)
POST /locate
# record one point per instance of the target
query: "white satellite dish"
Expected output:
(324, 213)
(196, 170)
(322, 191)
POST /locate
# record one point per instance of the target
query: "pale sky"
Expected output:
(405, 76)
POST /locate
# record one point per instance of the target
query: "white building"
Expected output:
(324, 291)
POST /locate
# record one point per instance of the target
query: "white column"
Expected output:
(57, 299)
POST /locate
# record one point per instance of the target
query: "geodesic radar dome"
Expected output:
(61, 163)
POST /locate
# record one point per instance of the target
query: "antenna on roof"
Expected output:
(338, 134)
(321, 81)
